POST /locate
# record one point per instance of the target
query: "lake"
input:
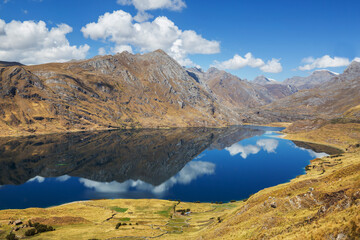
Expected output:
(187, 164)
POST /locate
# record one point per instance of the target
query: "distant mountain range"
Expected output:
(337, 97)
(317, 78)
(153, 90)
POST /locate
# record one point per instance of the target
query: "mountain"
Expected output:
(317, 78)
(238, 94)
(334, 99)
(276, 89)
(152, 90)
(231, 91)
(262, 80)
(8, 64)
(120, 91)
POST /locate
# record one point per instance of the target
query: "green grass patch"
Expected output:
(177, 220)
(165, 213)
(224, 206)
(124, 219)
(119, 209)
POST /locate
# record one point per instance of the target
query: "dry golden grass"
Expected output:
(336, 190)
(97, 219)
(336, 135)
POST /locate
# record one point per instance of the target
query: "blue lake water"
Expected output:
(189, 164)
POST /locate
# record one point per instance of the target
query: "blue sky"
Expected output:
(281, 35)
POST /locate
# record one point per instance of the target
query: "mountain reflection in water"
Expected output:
(152, 156)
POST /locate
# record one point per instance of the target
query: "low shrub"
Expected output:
(11, 236)
(118, 225)
(30, 232)
(43, 228)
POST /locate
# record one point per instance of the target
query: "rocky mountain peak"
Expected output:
(213, 70)
(352, 71)
(262, 80)
(324, 72)
(316, 78)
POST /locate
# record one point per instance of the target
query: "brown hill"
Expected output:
(125, 90)
(231, 91)
(239, 94)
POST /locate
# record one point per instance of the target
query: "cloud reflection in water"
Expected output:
(38, 179)
(190, 172)
(268, 145)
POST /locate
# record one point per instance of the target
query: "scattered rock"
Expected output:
(273, 205)
(18, 222)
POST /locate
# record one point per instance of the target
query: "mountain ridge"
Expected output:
(153, 90)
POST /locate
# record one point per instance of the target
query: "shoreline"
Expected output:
(100, 129)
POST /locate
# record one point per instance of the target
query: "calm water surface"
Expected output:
(195, 164)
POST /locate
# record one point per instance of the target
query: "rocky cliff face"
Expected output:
(125, 90)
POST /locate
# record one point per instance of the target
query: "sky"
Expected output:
(278, 39)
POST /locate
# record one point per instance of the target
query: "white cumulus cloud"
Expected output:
(122, 48)
(272, 66)
(323, 62)
(119, 28)
(237, 62)
(32, 42)
(144, 5)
